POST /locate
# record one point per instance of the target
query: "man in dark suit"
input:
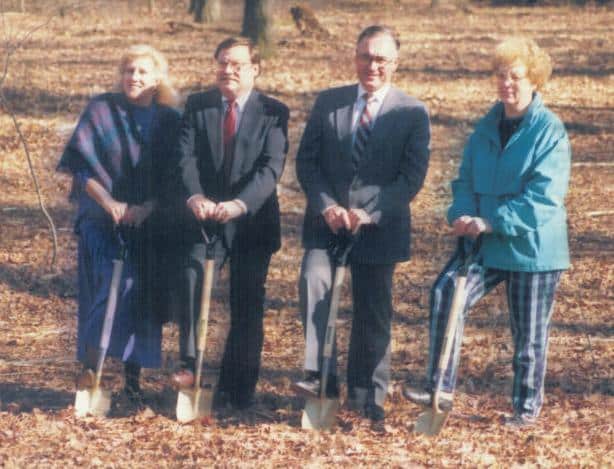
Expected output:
(232, 149)
(362, 159)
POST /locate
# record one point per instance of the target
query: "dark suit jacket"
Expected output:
(261, 145)
(390, 174)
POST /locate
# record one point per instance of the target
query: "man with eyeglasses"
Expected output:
(233, 145)
(362, 159)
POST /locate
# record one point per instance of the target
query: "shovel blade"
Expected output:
(319, 414)
(92, 402)
(100, 402)
(430, 422)
(193, 404)
(82, 402)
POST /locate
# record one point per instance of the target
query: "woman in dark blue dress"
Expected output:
(118, 156)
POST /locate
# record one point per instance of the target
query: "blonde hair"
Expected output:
(537, 61)
(165, 92)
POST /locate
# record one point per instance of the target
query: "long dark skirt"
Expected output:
(137, 332)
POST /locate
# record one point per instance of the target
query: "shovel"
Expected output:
(196, 402)
(319, 414)
(95, 400)
(431, 421)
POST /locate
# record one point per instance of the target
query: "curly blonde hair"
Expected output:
(165, 92)
(525, 50)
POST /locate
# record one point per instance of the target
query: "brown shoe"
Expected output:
(183, 378)
(86, 379)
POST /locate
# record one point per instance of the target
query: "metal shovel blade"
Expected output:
(93, 401)
(100, 402)
(82, 402)
(430, 422)
(194, 404)
(319, 414)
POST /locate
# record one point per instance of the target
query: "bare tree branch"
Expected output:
(9, 50)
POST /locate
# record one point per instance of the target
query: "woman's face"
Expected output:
(514, 88)
(140, 80)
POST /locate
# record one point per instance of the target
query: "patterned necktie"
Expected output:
(230, 125)
(363, 130)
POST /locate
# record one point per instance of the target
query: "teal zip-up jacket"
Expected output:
(519, 189)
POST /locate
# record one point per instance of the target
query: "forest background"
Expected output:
(57, 55)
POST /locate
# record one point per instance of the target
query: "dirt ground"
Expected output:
(57, 65)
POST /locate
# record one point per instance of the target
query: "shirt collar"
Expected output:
(379, 95)
(241, 100)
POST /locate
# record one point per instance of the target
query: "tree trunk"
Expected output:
(22, 6)
(207, 11)
(258, 25)
(152, 6)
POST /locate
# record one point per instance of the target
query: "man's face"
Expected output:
(235, 71)
(376, 61)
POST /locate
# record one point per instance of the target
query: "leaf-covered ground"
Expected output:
(445, 62)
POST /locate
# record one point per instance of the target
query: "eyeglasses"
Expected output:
(234, 66)
(505, 75)
(378, 60)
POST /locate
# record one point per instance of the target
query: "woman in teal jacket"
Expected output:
(510, 193)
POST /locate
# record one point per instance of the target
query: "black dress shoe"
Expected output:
(310, 386)
(423, 397)
(134, 394)
(242, 403)
(132, 374)
(375, 413)
(221, 399)
(520, 421)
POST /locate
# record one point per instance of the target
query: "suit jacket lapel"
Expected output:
(343, 117)
(214, 122)
(251, 120)
(381, 127)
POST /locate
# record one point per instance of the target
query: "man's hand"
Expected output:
(336, 218)
(226, 211)
(201, 207)
(136, 214)
(358, 217)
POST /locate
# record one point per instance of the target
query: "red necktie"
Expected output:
(230, 125)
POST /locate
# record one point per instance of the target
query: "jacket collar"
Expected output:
(489, 124)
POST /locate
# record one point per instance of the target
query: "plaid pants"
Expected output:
(530, 298)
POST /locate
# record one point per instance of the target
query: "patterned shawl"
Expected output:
(105, 142)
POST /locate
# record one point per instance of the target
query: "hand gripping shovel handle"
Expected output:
(109, 315)
(457, 308)
(339, 254)
(211, 238)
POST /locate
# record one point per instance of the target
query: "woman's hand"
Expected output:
(459, 226)
(470, 226)
(116, 209)
(477, 226)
